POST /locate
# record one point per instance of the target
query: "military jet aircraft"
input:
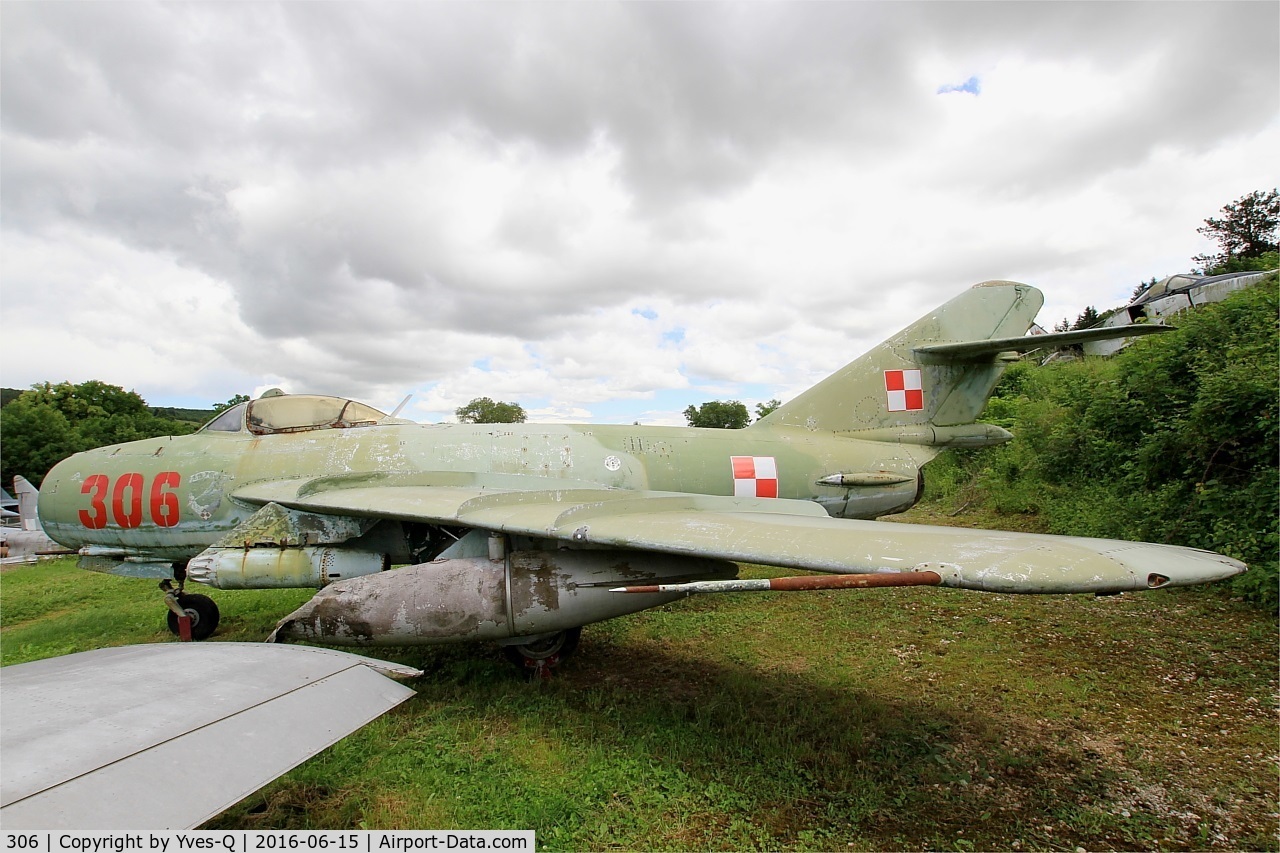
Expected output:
(25, 542)
(524, 533)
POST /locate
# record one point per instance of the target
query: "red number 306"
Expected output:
(126, 500)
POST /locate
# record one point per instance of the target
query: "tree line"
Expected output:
(48, 422)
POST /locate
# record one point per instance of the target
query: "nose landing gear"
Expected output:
(191, 616)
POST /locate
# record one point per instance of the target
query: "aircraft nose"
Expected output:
(58, 503)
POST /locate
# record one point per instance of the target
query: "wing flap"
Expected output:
(530, 511)
(407, 503)
(167, 736)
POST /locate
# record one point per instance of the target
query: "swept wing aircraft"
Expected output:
(25, 541)
(524, 533)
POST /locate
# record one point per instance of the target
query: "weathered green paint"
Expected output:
(266, 500)
(215, 468)
(281, 567)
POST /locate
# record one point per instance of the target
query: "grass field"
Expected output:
(900, 719)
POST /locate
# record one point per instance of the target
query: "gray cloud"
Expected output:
(363, 174)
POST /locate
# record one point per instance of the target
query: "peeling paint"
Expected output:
(450, 600)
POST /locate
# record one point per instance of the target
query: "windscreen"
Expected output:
(231, 420)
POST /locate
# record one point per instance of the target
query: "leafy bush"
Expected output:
(50, 422)
(1173, 440)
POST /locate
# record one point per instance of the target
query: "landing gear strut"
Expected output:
(191, 616)
(542, 655)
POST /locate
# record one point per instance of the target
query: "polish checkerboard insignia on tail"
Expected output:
(755, 476)
(904, 389)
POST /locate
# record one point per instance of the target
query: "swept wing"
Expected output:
(778, 532)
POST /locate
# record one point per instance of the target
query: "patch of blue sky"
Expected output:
(618, 411)
(419, 408)
(663, 407)
(752, 393)
(674, 336)
(647, 313)
(184, 401)
(972, 86)
(747, 393)
(659, 407)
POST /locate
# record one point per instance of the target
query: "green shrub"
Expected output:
(1173, 440)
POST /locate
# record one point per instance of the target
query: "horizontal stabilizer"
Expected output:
(166, 736)
(940, 353)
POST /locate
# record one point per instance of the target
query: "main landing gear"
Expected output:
(191, 616)
(539, 657)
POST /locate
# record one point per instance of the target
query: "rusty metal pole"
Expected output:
(797, 583)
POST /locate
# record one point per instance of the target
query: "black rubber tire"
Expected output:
(203, 612)
(550, 651)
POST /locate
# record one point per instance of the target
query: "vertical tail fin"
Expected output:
(892, 386)
(27, 495)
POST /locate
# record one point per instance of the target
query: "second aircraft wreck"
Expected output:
(522, 534)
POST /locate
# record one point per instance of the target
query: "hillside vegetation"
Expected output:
(1173, 440)
(47, 423)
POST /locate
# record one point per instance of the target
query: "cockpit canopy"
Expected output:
(294, 413)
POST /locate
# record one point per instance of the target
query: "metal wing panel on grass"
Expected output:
(167, 736)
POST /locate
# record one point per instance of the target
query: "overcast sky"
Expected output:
(604, 212)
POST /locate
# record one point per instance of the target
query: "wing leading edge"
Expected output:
(786, 533)
(167, 736)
